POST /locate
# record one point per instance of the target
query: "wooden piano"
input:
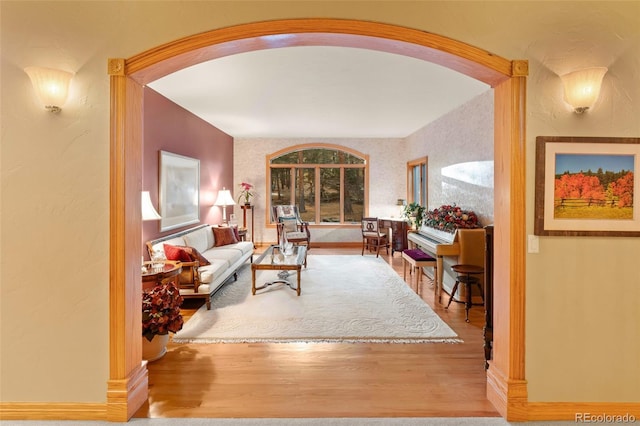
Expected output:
(446, 248)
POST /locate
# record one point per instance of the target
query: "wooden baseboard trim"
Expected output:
(585, 412)
(126, 396)
(52, 411)
(509, 397)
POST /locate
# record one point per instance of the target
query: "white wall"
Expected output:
(582, 339)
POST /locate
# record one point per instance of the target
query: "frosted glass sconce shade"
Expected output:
(51, 86)
(582, 87)
(148, 211)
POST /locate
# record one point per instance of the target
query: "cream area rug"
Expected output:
(344, 298)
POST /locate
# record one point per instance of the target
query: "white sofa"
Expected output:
(203, 281)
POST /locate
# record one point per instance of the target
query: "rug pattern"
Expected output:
(344, 298)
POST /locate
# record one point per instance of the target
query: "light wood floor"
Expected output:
(326, 379)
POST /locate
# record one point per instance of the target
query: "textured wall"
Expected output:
(459, 147)
(387, 183)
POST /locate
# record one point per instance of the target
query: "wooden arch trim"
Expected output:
(127, 388)
(464, 58)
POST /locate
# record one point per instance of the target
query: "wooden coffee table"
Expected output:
(273, 259)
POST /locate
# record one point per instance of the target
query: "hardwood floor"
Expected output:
(326, 379)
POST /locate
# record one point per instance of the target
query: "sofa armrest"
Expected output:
(190, 276)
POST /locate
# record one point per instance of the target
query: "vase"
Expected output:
(156, 348)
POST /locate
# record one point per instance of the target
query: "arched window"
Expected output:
(326, 182)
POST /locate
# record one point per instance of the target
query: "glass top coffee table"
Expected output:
(274, 258)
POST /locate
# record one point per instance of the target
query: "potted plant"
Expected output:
(414, 212)
(246, 192)
(160, 315)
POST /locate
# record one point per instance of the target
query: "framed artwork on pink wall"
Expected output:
(179, 191)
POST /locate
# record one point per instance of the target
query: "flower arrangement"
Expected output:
(246, 192)
(161, 310)
(448, 218)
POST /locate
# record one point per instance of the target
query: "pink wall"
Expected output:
(169, 127)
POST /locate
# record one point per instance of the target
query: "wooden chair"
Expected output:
(372, 237)
(289, 222)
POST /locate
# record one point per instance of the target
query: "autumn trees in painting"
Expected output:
(603, 194)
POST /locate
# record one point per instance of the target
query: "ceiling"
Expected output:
(318, 91)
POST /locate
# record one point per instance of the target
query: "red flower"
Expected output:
(449, 218)
(161, 310)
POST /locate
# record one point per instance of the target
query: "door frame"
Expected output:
(127, 387)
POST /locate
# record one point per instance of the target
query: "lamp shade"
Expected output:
(582, 87)
(148, 211)
(51, 86)
(224, 198)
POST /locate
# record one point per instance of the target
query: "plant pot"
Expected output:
(156, 348)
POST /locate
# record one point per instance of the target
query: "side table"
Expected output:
(153, 275)
(245, 208)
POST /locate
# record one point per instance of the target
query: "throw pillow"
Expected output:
(176, 253)
(290, 224)
(194, 255)
(236, 233)
(224, 236)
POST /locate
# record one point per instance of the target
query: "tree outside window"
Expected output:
(327, 183)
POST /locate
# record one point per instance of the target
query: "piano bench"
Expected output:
(417, 259)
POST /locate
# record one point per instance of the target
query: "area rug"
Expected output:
(344, 298)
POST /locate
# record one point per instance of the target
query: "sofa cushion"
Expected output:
(223, 236)
(200, 239)
(243, 246)
(214, 269)
(176, 253)
(225, 254)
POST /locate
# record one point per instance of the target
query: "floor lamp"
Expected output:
(224, 199)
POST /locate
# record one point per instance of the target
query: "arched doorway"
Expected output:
(127, 386)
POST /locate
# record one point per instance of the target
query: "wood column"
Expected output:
(506, 384)
(127, 388)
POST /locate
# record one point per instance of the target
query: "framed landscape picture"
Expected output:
(587, 186)
(179, 191)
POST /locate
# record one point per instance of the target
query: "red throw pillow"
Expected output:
(196, 255)
(224, 236)
(176, 253)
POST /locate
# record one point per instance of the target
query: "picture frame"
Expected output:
(179, 191)
(587, 186)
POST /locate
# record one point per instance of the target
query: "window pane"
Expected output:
(330, 195)
(416, 185)
(280, 186)
(423, 186)
(353, 195)
(329, 156)
(305, 194)
(290, 158)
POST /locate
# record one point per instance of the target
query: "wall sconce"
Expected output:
(51, 86)
(582, 87)
(148, 211)
(224, 199)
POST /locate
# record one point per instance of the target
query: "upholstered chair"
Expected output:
(289, 223)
